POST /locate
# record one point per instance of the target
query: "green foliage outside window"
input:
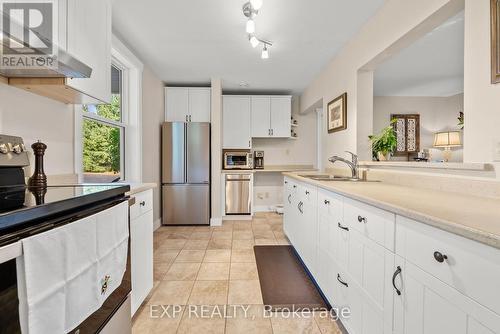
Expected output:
(101, 144)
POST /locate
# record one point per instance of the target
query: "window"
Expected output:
(103, 132)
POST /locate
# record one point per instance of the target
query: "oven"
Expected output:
(237, 159)
(113, 317)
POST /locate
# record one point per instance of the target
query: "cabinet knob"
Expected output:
(307, 192)
(143, 203)
(294, 186)
(361, 219)
(327, 202)
(440, 257)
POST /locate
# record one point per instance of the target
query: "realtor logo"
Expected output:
(29, 34)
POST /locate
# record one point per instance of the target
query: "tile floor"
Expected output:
(211, 269)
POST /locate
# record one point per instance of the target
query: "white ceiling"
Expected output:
(191, 41)
(432, 66)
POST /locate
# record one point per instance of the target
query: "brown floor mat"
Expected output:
(283, 280)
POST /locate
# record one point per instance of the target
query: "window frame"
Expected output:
(131, 118)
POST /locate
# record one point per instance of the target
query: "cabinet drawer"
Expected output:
(470, 267)
(308, 194)
(143, 204)
(375, 224)
(330, 204)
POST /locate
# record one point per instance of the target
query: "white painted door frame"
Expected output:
(319, 138)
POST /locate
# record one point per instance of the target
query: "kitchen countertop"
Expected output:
(473, 217)
(136, 188)
(273, 169)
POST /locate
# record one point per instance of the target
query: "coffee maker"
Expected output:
(258, 160)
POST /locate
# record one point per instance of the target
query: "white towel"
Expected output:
(67, 273)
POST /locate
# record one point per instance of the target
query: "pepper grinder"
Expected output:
(39, 179)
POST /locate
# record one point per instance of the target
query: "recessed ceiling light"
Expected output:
(250, 26)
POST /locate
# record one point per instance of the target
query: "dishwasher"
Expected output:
(238, 195)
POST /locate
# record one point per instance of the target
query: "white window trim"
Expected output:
(131, 115)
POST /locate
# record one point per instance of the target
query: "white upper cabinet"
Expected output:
(236, 122)
(261, 116)
(185, 104)
(177, 104)
(271, 116)
(89, 40)
(199, 104)
(281, 112)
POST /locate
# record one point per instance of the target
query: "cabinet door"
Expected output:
(199, 104)
(430, 306)
(236, 133)
(261, 116)
(281, 111)
(176, 104)
(141, 257)
(89, 40)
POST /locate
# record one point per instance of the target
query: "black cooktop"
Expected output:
(20, 204)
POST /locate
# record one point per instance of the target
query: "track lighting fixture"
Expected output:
(256, 4)
(254, 41)
(250, 26)
(250, 10)
(265, 52)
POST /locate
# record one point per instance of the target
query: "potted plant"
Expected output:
(385, 142)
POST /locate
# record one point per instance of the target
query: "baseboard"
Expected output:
(215, 221)
(237, 217)
(156, 224)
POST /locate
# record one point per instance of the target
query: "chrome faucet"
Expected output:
(353, 164)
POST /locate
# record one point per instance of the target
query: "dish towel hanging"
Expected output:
(67, 273)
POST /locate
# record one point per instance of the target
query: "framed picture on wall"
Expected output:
(495, 41)
(337, 114)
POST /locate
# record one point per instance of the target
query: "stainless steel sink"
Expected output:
(328, 177)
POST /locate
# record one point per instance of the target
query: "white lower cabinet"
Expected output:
(141, 248)
(383, 269)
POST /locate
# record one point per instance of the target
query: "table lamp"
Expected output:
(447, 140)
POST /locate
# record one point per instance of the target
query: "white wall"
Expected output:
(33, 118)
(482, 99)
(436, 114)
(153, 115)
(395, 26)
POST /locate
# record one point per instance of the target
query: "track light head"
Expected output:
(254, 41)
(250, 26)
(265, 52)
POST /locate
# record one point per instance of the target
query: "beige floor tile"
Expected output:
(244, 292)
(166, 324)
(243, 255)
(193, 323)
(179, 235)
(243, 235)
(213, 272)
(263, 234)
(172, 293)
(159, 270)
(266, 242)
(182, 272)
(326, 324)
(243, 271)
(173, 244)
(243, 244)
(209, 293)
(201, 235)
(196, 244)
(279, 235)
(150, 294)
(165, 255)
(248, 320)
(220, 244)
(291, 325)
(222, 235)
(282, 242)
(187, 255)
(242, 226)
(217, 255)
(277, 227)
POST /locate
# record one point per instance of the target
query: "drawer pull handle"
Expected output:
(361, 219)
(289, 199)
(327, 202)
(440, 257)
(143, 203)
(396, 273)
(307, 192)
(343, 227)
(300, 207)
(341, 281)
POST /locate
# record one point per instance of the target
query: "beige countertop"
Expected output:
(136, 188)
(273, 169)
(473, 217)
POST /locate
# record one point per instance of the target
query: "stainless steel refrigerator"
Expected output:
(186, 173)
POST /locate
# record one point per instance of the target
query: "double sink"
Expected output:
(328, 177)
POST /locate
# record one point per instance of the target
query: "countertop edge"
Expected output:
(477, 235)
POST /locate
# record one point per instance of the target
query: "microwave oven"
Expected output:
(238, 159)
